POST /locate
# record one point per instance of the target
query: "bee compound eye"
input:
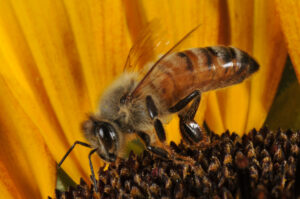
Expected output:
(107, 134)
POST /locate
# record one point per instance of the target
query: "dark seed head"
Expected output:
(262, 164)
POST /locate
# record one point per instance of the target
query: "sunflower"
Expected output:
(57, 57)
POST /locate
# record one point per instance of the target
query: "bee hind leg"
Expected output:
(189, 128)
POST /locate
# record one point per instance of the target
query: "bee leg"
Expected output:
(160, 131)
(92, 169)
(156, 150)
(190, 131)
(189, 128)
(184, 102)
(90, 161)
(166, 152)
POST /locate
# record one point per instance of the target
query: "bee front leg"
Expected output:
(159, 129)
(189, 128)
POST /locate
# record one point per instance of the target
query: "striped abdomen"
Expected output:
(203, 69)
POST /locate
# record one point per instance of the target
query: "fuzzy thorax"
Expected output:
(132, 116)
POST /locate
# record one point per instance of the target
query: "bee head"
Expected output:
(103, 136)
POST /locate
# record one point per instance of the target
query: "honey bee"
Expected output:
(173, 85)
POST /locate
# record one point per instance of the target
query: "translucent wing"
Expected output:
(151, 42)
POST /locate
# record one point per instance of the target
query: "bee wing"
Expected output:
(148, 48)
(151, 42)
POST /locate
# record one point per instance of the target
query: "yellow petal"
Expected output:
(213, 115)
(270, 51)
(233, 102)
(61, 57)
(180, 17)
(102, 42)
(135, 17)
(290, 22)
(236, 99)
(23, 76)
(245, 106)
(27, 168)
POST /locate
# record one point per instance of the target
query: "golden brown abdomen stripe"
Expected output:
(218, 57)
(202, 69)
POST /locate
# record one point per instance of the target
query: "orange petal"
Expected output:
(290, 22)
(7, 187)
